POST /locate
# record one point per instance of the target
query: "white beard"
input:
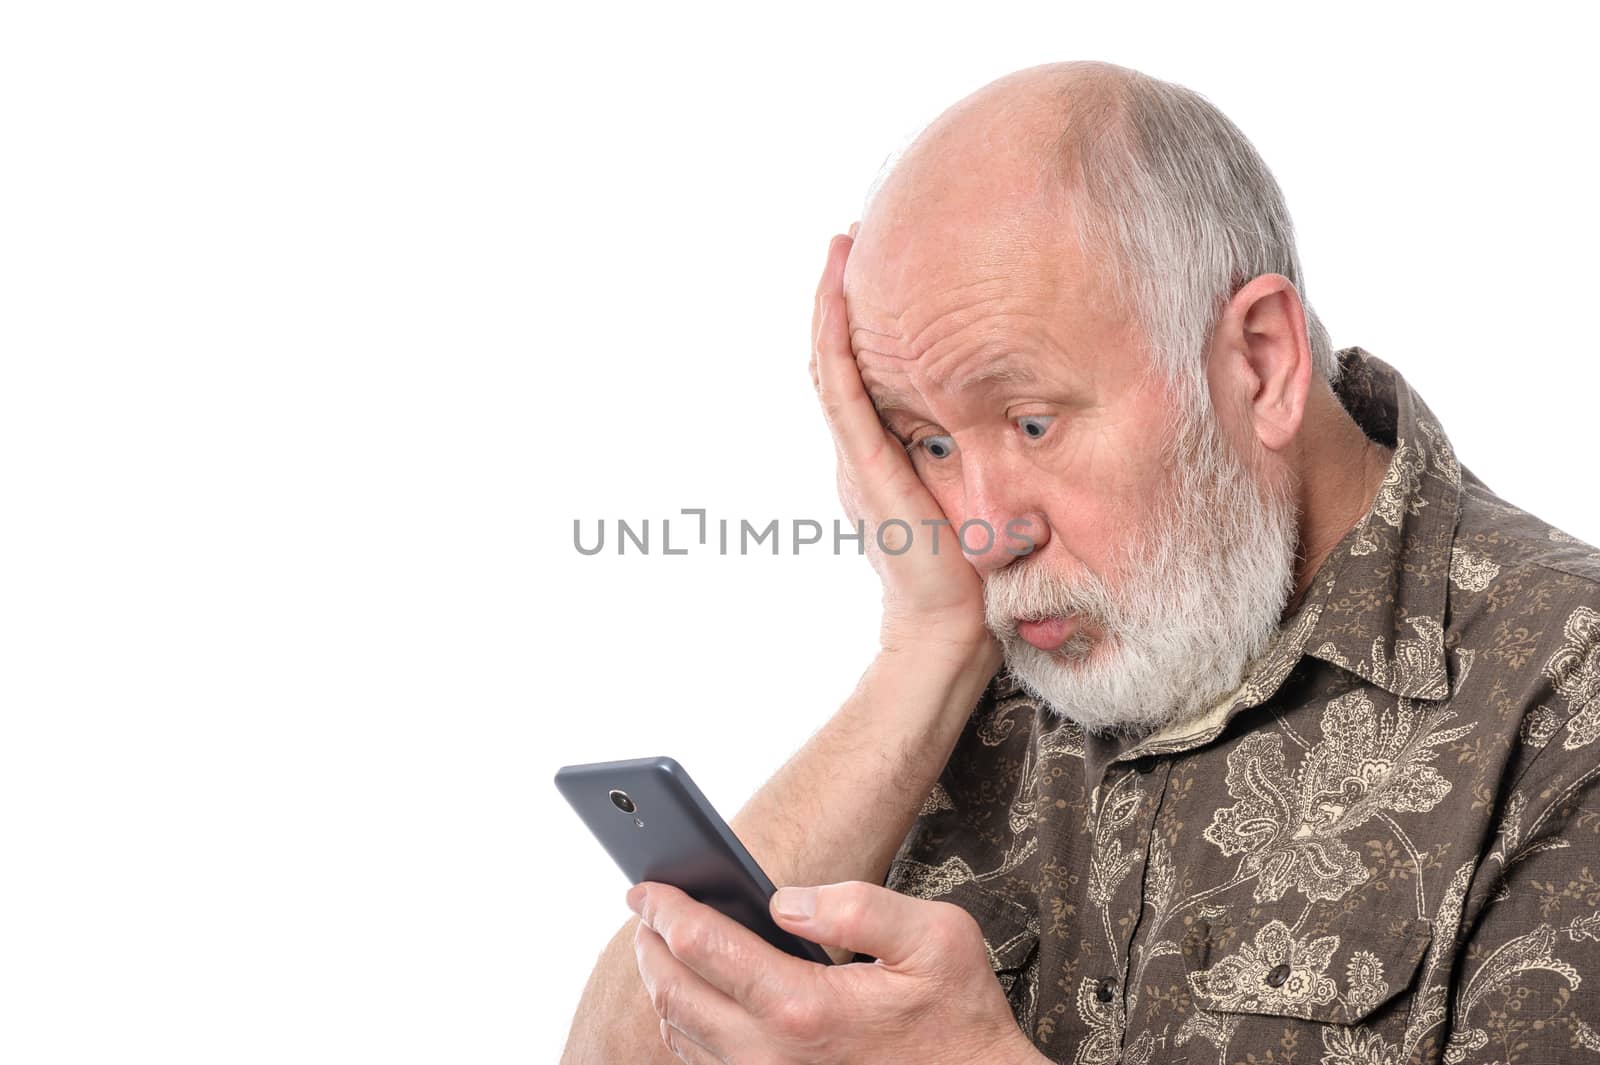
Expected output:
(1191, 612)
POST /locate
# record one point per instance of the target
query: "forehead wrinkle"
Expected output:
(916, 336)
(1003, 369)
(962, 323)
(860, 342)
(884, 395)
(995, 355)
(921, 351)
(958, 311)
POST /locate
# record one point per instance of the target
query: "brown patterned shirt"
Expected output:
(1383, 847)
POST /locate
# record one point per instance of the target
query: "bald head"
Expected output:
(1007, 138)
(1164, 201)
(988, 178)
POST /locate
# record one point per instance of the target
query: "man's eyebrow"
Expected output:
(1004, 370)
(886, 398)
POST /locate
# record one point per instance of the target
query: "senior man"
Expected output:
(1278, 744)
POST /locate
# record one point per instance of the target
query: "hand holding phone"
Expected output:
(656, 825)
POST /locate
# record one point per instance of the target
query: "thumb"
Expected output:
(894, 928)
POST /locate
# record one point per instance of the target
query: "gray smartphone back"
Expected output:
(674, 836)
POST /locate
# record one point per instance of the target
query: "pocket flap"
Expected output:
(1337, 972)
(1010, 929)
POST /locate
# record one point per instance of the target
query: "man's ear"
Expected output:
(1266, 359)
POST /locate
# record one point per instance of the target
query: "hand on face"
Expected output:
(725, 995)
(930, 590)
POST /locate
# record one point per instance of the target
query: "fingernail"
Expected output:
(797, 902)
(636, 896)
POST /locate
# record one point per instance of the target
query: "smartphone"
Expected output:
(656, 825)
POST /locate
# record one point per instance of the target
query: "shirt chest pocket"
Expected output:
(1340, 971)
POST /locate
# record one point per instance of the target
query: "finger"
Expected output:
(686, 1049)
(844, 398)
(681, 998)
(721, 951)
(896, 929)
(816, 313)
(817, 306)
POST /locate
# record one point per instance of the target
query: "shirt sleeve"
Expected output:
(1527, 985)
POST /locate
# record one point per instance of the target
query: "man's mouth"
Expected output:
(1048, 634)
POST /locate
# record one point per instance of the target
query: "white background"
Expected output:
(322, 322)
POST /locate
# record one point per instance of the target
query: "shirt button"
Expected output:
(1146, 765)
(1278, 975)
(1106, 990)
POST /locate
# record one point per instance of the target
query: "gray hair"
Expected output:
(1185, 208)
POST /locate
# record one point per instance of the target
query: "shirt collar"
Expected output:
(1376, 605)
(1384, 586)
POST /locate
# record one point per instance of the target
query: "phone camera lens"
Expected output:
(620, 800)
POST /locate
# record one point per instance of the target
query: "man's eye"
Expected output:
(1034, 425)
(939, 447)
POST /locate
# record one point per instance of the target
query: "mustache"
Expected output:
(1026, 590)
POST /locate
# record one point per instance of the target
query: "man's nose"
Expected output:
(998, 527)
